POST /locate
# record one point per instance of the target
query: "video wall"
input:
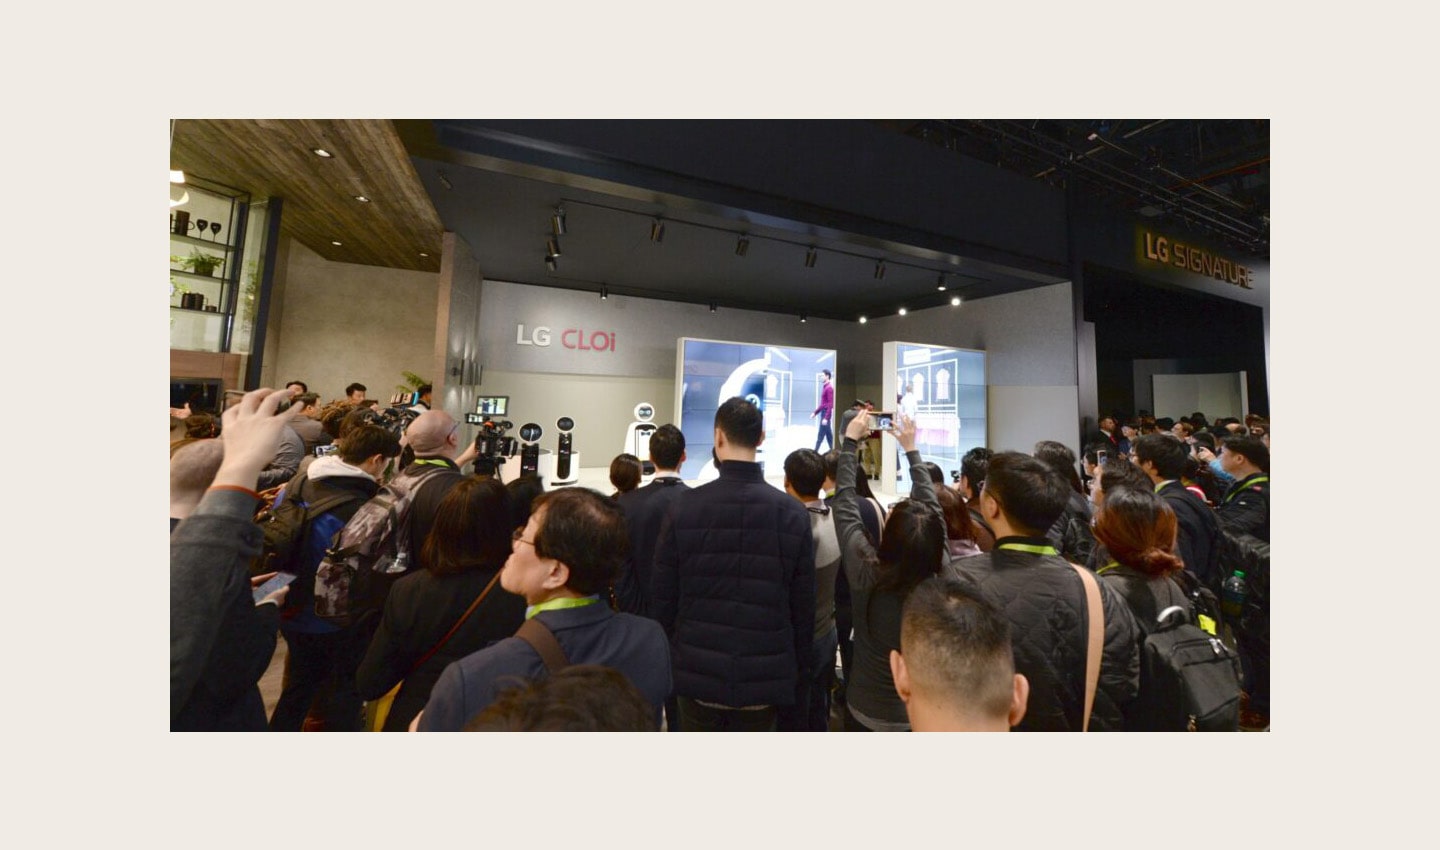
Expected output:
(943, 390)
(783, 381)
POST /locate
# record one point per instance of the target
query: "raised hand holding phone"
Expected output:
(859, 427)
(904, 432)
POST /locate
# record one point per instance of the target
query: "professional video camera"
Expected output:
(491, 442)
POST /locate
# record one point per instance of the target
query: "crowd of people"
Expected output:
(717, 607)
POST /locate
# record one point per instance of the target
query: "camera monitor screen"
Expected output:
(785, 382)
(494, 405)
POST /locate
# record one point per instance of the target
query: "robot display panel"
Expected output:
(783, 381)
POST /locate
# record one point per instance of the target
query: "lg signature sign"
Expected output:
(578, 339)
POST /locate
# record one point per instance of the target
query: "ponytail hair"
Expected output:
(1138, 529)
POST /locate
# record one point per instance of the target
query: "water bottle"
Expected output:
(1232, 596)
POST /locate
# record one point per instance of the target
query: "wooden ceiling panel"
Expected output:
(274, 158)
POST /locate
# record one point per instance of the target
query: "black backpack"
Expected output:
(1205, 606)
(1189, 680)
(283, 524)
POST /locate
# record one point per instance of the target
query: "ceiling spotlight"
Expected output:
(362, 199)
(333, 242)
(742, 246)
(177, 176)
(940, 283)
(423, 254)
(657, 230)
(902, 311)
(550, 264)
(802, 318)
(712, 306)
(444, 178)
(552, 246)
(557, 221)
(955, 301)
(321, 152)
(810, 255)
(604, 292)
(863, 320)
(879, 269)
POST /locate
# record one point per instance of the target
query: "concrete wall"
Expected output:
(335, 323)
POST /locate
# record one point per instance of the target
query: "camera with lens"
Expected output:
(492, 442)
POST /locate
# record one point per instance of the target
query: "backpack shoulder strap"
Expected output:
(539, 636)
(1096, 642)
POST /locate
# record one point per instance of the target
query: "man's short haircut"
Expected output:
(1120, 472)
(805, 470)
(585, 531)
(957, 648)
(424, 389)
(1031, 495)
(937, 475)
(1165, 423)
(301, 384)
(1166, 451)
(1058, 457)
(350, 390)
(667, 444)
(364, 441)
(202, 426)
(580, 698)
(1252, 449)
(307, 399)
(974, 466)
(831, 460)
(827, 373)
(741, 422)
(193, 466)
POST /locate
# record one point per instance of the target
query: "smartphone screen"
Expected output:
(278, 581)
(1101, 456)
(884, 421)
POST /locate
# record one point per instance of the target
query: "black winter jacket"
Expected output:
(1246, 507)
(1043, 599)
(1199, 530)
(734, 588)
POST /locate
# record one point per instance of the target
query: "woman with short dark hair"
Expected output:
(461, 559)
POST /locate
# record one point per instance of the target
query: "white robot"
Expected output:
(637, 436)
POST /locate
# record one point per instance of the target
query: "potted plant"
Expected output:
(199, 262)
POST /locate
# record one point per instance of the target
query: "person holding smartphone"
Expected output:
(221, 639)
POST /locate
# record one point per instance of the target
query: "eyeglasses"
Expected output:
(518, 536)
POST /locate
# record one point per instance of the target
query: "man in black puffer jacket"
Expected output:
(1043, 598)
(734, 588)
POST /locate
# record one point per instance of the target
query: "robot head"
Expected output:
(565, 424)
(644, 411)
(530, 432)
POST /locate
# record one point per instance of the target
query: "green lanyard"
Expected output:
(1245, 485)
(428, 462)
(1026, 547)
(1110, 566)
(562, 602)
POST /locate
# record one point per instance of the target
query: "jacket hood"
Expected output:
(331, 466)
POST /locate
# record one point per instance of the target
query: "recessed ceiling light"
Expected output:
(902, 311)
(333, 242)
(362, 199)
(955, 302)
(423, 254)
(321, 152)
(863, 320)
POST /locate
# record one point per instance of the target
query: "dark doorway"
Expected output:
(1136, 319)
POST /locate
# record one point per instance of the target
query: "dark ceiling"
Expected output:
(1212, 175)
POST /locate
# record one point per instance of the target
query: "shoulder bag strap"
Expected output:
(539, 636)
(1096, 642)
(458, 623)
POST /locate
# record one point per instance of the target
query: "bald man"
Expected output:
(434, 437)
(192, 468)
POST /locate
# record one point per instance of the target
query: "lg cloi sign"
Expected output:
(578, 339)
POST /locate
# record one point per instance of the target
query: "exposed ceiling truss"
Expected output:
(1213, 175)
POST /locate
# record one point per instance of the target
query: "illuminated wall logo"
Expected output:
(1159, 249)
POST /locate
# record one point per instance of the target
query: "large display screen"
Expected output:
(783, 381)
(943, 390)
